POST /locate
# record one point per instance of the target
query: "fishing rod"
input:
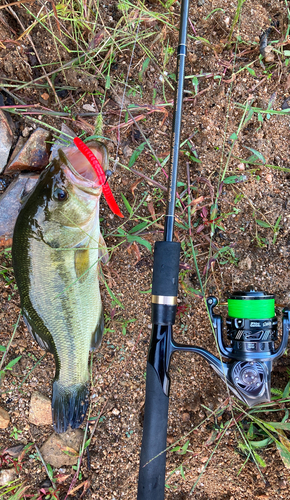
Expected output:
(251, 326)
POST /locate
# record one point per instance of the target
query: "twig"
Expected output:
(16, 3)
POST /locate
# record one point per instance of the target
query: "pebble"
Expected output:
(19, 145)
(185, 417)
(10, 204)
(34, 155)
(15, 451)
(26, 131)
(6, 139)
(89, 107)
(4, 418)
(127, 152)
(6, 476)
(286, 103)
(269, 178)
(40, 409)
(245, 263)
(269, 55)
(62, 449)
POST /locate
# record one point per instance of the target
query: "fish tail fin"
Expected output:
(69, 405)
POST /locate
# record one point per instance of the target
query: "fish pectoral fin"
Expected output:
(103, 251)
(82, 262)
(98, 333)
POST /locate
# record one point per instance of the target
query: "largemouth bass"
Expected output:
(57, 247)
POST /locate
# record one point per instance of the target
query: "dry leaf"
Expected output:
(151, 210)
(197, 200)
(134, 185)
(135, 249)
(68, 451)
(285, 449)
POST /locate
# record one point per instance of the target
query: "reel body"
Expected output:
(252, 332)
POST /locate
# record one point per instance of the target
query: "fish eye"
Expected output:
(60, 194)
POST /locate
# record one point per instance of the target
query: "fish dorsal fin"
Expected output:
(103, 251)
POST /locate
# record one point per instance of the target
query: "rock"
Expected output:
(269, 178)
(269, 54)
(4, 418)
(89, 107)
(6, 476)
(19, 145)
(34, 155)
(6, 139)
(10, 204)
(245, 263)
(15, 451)
(286, 103)
(63, 449)
(185, 417)
(127, 152)
(65, 139)
(40, 409)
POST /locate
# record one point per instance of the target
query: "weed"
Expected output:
(15, 434)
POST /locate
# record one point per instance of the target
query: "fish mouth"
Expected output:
(79, 170)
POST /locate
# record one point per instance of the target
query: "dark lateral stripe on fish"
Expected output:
(69, 405)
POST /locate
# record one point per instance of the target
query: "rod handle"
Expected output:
(152, 476)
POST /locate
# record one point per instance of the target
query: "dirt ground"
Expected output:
(249, 247)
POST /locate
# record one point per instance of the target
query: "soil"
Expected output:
(249, 248)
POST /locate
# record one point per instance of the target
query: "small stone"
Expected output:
(44, 99)
(286, 103)
(62, 449)
(10, 204)
(269, 178)
(89, 107)
(19, 145)
(245, 263)
(269, 54)
(15, 451)
(4, 418)
(185, 417)
(6, 139)
(34, 155)
(40, 409)
(6, 476)
(26, 131)
(241, 166)
(127, 152)
(282, 484)
(227, 22)
(115, 411)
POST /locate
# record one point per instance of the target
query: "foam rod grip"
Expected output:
(166, 268)
(153, 457)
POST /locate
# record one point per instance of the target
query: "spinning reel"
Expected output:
(252, 332)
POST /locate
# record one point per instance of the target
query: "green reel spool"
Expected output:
(251, 305)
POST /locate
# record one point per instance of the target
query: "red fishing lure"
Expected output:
(83, 148)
